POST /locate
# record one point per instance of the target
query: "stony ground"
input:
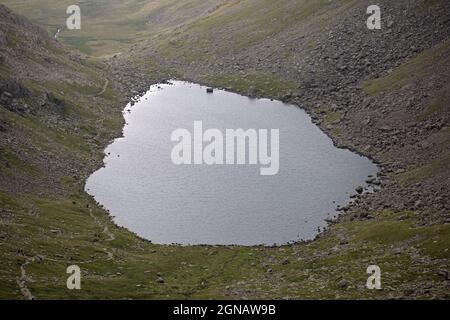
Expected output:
(381, 93)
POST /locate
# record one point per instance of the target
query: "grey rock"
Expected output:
(343, 284)
(54, 100)
(3, 39)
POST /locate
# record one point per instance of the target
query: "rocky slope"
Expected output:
(43, 91)
(383, 93)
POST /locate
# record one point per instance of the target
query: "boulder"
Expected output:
(2, 126)
(3, 39)
(343, 284)
(252, 91)
(14, 88)
(51, 98)
(160, 280)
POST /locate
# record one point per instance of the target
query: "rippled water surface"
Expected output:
(229, 204)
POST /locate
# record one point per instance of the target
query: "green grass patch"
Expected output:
(254, 84)
(16, 163)
(412, 70)
(333, 117)
(440, 101)
(424, 172)
(81, 43)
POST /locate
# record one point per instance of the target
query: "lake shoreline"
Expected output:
(337, 211)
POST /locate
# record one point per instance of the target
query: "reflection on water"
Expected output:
(222, 204)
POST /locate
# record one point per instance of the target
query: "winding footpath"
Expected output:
(105, 86)
(106, 231)
(23, 279)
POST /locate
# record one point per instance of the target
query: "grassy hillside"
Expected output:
(55, 233)
(113, 25)
(109, 26)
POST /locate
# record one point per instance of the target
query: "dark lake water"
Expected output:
(222, 204)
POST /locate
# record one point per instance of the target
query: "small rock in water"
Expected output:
(360, 190)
